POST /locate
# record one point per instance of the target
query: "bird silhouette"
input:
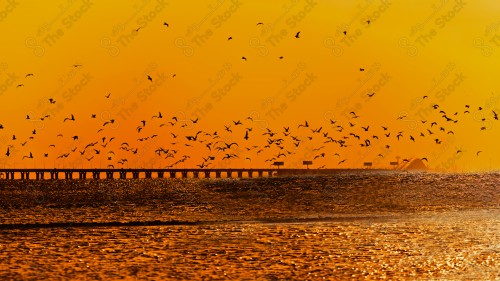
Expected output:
(30, 156)
(72, 118)
(297, 35)
(306, 125)
(228, 145)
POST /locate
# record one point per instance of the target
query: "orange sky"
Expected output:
(448, 52)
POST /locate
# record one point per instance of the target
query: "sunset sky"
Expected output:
(80, 51)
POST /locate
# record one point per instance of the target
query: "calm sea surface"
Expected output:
(344, 227)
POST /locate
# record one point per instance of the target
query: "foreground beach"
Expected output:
(349, 226)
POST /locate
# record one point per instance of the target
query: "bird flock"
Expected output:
(176, 141)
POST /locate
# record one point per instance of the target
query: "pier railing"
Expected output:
(40, 174)
(67, 174)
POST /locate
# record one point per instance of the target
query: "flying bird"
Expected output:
(306, 125)
(72, 118)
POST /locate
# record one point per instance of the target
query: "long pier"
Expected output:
(67, 174)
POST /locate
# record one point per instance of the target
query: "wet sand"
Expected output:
(396, 226)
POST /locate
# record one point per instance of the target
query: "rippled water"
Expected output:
(349, 226)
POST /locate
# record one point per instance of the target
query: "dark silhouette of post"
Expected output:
(278, 164)
(307, 163)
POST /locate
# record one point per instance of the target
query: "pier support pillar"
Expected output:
(54, 175)
(172, 174)
(229, 174)
(207, 174)
(109, 175)
(82, 175)
(135, 175)
(217, 174)
(160, 175)
(261, 173)
(123, 175)
(148, 175)
(250, 174)
(196, 174)
(184, 174)
(68, 175)
(96, 175)
(39, 175)
(240, 174)
(7, 175)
